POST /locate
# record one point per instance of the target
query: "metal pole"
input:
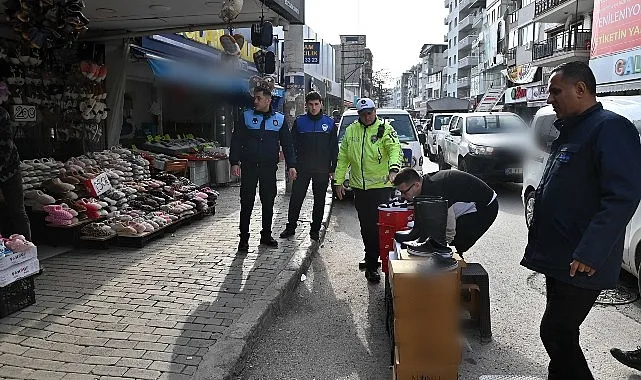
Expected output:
(342, 77)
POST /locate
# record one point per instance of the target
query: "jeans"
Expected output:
(366, 203)
(252, 175)
(567, 307)
(299, 191)
(15, 219)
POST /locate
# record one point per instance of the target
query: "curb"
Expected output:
(225, 357)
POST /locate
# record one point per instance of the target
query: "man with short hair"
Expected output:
(316, 146)
(589, 191)
(255, 148)
(371, 151)
(472, 204)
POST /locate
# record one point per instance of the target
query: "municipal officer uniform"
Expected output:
(316, 147)
(255, 146)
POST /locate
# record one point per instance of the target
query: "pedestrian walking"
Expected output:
(316, 146)
(255, 149)
(589, 191)
(472, 204)
(371, 152)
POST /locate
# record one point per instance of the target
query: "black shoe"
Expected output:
(243, 246)
(363, 265)
(288, 232)
(268, 241)
(630, 358)
(444, 263)
(314, 235)
(373, 276)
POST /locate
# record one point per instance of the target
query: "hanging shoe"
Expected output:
(240, 40)
(229, 44)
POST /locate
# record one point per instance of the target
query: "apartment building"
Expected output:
(356, 60)
(433, 60)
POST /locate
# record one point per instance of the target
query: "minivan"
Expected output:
(543, 133)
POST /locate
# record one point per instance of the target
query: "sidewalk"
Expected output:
(183, 307)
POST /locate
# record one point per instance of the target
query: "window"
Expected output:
(436, 93)
(401, 123)
(450, 62)
(455, 20)
(454, 58)
(441, 120)
(478, 125)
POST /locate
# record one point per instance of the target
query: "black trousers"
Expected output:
(252, 174)
(15, 219)
(299, 191)
(366, 203)
(470, 227)
(567, 306)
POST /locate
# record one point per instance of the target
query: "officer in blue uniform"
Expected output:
(316, 145)
(255, 147)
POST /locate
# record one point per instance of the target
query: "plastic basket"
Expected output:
(16, 296)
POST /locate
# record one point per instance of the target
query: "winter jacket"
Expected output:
(315, 143)
(257, 136)
(590, 189)
(9, 159)
(369, 155)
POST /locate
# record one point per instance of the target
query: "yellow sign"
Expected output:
(212, 38)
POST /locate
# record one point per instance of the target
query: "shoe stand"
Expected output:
(17, 273)
(141, 240)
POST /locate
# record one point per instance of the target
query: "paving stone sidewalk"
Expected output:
(150, 313)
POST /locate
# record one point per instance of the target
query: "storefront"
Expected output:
(528, 92)
(615, 56)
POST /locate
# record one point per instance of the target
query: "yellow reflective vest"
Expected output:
(368, 156)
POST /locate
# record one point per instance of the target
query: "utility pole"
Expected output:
(294, 79)
(342, 77)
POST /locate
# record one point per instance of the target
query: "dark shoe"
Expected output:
(373, 276)
(268, 241)
(363, 265)
(630, 358)
(314, 235)
(243, 246)
(288, 232)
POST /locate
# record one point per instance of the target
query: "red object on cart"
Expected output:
(390, 221)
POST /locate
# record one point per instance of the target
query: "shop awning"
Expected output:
(619, 86)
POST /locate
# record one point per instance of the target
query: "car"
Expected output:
(411, 140)
(435, 129)
(489, 145)
(543, 133)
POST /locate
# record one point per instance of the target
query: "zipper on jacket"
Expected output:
(363, 156)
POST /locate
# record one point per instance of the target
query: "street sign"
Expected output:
(311, 53)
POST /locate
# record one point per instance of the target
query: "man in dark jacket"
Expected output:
(316, 146)
(589, 191)
(255, 147)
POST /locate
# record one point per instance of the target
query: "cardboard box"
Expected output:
(421, 342)
(423, 371)
(19, 271)
(17, 258)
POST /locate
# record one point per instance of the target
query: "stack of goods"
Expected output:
(36, 199)
(60, 215)
(177, 146)
(18, 264)
(35, 172)
(426, 306)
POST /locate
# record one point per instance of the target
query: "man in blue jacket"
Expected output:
(255, 148)
(590, 189)
(316, 146)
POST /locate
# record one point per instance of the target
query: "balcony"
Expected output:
(464, 4)
(465, 23)
(463, 82)
(513, 17)
(478, 21)
(557, 11)
(447, 3)
(510, 57)
(466, 43)
(468, 61)
(445, 39)
(446, 20)
(477, 3)
(564, 47)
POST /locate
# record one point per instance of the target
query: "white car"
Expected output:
(411, 140)
(489, 145)
(436, 130)
(543, 133)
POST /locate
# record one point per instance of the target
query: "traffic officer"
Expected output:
(372, 153)
(316, 146)
(255, 148)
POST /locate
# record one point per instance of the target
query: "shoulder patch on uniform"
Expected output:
(392, 133)
(276, 123)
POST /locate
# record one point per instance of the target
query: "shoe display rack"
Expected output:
(109, 197)
(18, 266)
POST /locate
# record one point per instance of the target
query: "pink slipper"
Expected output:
(59, 222)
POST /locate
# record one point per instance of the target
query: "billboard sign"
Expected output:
(616, 27)
(311, 53)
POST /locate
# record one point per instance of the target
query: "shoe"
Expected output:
(428, 248)
(288, 232)
(630, 358)
(314, 235)
(363, 265)
(243, 245)
(269, 241)
(373, 276)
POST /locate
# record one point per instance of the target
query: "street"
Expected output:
(334, 326)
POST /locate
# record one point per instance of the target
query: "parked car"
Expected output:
(543, 133)
(489, 145)
(437, 127)
(411, 140)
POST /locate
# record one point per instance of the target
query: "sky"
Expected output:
(396, 30)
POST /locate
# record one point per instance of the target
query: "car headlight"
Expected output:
(480, 149)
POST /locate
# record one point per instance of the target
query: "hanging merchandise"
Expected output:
(230, 10)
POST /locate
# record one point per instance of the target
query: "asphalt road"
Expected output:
(334, 327)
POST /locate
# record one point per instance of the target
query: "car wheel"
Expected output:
(529, 207)
(441, 161)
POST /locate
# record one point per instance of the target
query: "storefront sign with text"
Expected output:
(616, 27)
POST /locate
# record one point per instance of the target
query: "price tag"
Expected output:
(24, 113)
(98, 185)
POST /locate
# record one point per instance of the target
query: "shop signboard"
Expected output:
(292, 10)
(521, 74)
(537, 93)
(516, 94)
(619, 67)
(311, 53)
(212, 38)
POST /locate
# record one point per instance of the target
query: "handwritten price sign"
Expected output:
(98, 185)
(24, 113)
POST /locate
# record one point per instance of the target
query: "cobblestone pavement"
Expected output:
(148, 313)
